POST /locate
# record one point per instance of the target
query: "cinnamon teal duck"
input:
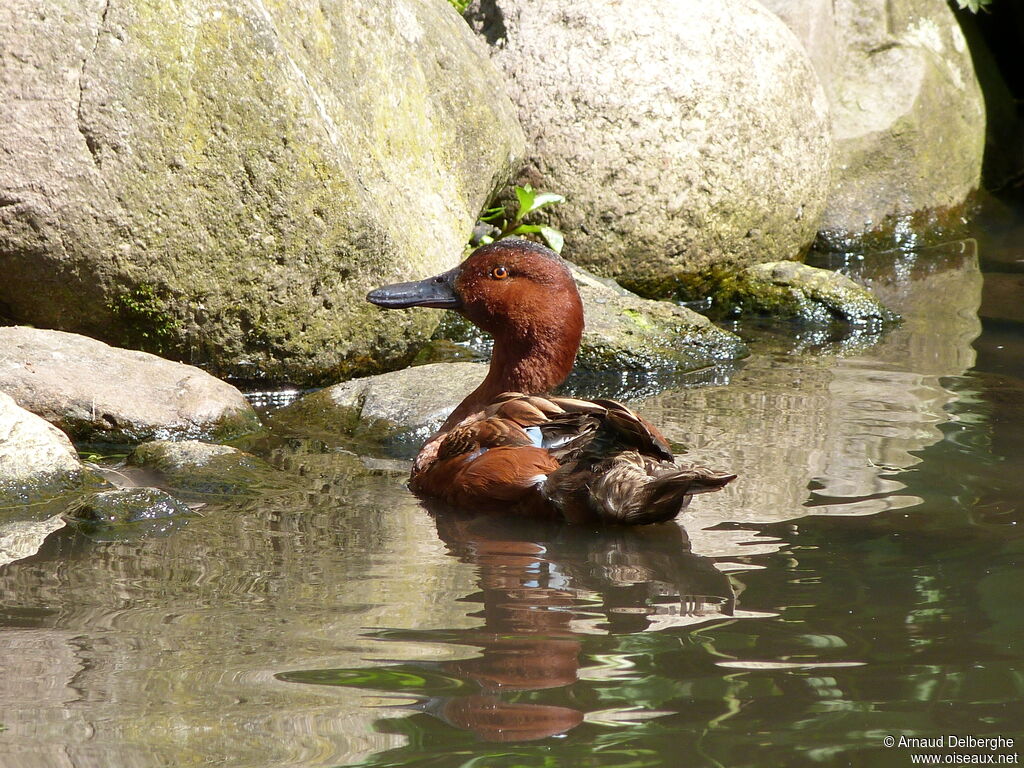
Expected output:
(509, 445)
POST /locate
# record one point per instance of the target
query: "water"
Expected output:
(862, 579)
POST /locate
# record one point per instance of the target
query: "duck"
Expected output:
(511, 445)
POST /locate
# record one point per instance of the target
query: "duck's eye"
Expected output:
(499, 273)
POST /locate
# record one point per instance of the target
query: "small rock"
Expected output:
(788, 289)
(201, 469)
(101, 393)
(413, 402)
(36, 459)
(126, 505)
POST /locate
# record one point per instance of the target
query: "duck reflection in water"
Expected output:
(543, 586)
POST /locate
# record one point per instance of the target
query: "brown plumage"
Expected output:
(507, 444)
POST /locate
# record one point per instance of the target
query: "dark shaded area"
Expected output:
(995, 37)
(487, 19)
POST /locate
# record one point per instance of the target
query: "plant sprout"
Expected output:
(529, 201)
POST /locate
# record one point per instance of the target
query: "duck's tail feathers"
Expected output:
(630, 493)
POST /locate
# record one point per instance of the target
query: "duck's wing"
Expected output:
(624, 426)
(590, 459)
(568, 426)
(485, 458)
(615, 466)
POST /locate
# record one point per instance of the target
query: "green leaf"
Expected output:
(493, 214)
(546, 198)
(525, 196)
(553, 238)
(527, 229)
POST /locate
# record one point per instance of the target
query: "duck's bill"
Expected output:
(438, 292)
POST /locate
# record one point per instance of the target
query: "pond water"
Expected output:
(862, 579)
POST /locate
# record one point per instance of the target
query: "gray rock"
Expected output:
(627, 333)
(223, 181)
(122, 506)
(908, 118)
(410, 403)
(195, 469)
(37, 460)
(97, 392)
(683, 133)
(787, 289)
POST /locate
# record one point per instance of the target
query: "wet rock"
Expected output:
(37, 460)
(122, 506)
(787, 289)
(194, 469)
(100, 393)
(223, 181)
(682, 133)
(23, 538)
(908, 118)
(409, 404)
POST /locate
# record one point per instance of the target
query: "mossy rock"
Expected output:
(794, 291)
(222, 182)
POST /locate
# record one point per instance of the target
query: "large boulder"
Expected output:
(223, 181)
(684, 134)
(36, 459)
(908, 118)
(101, 393)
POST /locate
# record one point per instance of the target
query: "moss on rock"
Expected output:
(193, 469)
(223, 182)
(794, 291)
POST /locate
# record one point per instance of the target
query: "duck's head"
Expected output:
(521, 293)
(516, 289)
